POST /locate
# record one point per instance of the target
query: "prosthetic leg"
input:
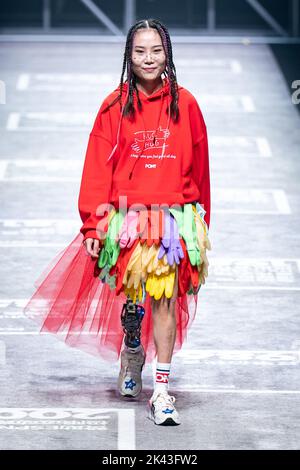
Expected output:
(131, 319)
(133, 359)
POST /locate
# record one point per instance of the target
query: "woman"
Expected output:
(133, 273)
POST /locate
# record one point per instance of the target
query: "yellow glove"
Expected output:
(151, 263)
(150, 260)
(159, 285)
(134, 293)
(134, 273)
(204, 244)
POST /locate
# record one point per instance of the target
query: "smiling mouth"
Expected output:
(150, 70)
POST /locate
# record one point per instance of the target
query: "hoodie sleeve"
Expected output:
(96, 175)
(200, 167)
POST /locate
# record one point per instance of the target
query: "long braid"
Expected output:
(170, 71)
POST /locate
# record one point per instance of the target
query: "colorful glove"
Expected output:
(204, 244)
(152, 264)
(120, 267)
(110, 251)
(187, 229)
(107, 278)
(128, 233)
(143, 224)
(134, 273)
(159, 285)
(136, 295)
(170, 244)
(154, 228)
(150, 259)
(201, 211)
(201, 230)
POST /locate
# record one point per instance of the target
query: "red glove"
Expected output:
(154, 229)
(184, 275)
(120, 266)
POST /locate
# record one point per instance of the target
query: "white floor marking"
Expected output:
(263, 147)
(55, 121)
(49, 164)
(40, 417)
(126, 429)
(239, 145)
(219, 102)
(23, 82)
(242, 391)
(46, 166)
(30, 244)
(13, 121)
(236, 66)
(3, 168)
(2, 353)
(281, 201)
(64, 82)
(240, 356)
(259, 198)
(16, 223)
(248, 104)
(42, 179)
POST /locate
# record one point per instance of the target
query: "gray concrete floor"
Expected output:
(237, 379)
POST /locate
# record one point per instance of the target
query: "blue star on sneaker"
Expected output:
(168, 411)
(130, 384)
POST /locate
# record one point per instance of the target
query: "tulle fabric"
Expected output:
(71, 302)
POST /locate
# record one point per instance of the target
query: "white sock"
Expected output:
(162, 376)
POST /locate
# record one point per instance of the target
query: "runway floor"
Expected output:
(236, 380)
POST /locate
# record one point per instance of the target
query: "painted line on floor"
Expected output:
(39, 417)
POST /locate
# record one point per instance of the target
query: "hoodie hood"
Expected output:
(163, 93)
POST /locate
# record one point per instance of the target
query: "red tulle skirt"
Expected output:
(72, 302)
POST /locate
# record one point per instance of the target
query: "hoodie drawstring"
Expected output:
(145, 132)
(119, 128)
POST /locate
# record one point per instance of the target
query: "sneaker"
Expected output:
(130, 376)
(162, 410)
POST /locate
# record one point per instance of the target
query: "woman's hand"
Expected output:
(92, 246)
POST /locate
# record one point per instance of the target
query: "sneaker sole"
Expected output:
(166, 422)
(129, 395)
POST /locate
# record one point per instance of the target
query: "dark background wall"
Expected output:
(181, 14)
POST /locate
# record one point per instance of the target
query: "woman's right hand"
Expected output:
(92, 246)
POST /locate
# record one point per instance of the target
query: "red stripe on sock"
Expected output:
(162, 377)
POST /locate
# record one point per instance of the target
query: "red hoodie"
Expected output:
(149, 159)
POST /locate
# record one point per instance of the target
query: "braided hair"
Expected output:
(170, 70)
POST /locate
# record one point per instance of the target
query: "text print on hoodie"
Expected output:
(149, 159)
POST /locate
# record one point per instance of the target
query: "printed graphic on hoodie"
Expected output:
(149, 140)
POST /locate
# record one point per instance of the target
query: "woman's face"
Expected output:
(148, 53)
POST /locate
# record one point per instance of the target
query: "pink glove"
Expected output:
(128, 232)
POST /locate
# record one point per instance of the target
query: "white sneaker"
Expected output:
(162, 410)
(130, 376)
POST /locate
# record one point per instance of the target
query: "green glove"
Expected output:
(107, 278)
(111, 248)
(187, 230)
